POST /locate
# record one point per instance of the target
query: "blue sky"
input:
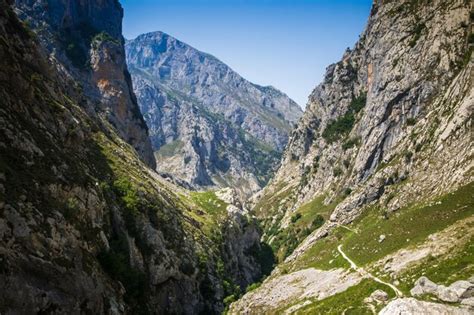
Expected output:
(284, 43)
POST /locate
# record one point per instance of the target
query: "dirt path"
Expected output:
(363, 272)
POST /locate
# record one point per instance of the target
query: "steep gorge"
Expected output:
(371, 209)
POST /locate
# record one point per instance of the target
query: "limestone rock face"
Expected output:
(390, 123)
(208, 125)
(84, 40)
(387, 132)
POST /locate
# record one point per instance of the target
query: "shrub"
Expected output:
(253, 286)
(347, 191)
(358, 103)
(103, 37)
(337, 171)
(317, 222)
(408, 155)
(295, 217)
(229, 299)
(417, 34)
(116, 263)
(336, 128)
(344, 124)
(350, 143)
(411, 121)
(264, 256)
(128, 194)
(346, 163)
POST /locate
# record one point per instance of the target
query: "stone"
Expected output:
(424, 286)
(379, 296)
(469, 302)
(463, 289)
(411, 306)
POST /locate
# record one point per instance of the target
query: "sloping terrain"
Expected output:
(85, 225)
(209, 126)
(380, 165)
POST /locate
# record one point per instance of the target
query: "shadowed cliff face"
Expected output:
(208, 125)
(85, 225)
(84, 39)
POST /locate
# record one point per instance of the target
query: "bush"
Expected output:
(317, 222)
(346, 163)
(358, 103)
(128, 194)
(337, 171)
(350, 143)
(339, 127)
(347, 191)
(104, 37)
(229, 299)
(417, 34)
(295, 217)
(411, 121)
(253, 286)
(344, 124)
(116, 263)
(264, 256)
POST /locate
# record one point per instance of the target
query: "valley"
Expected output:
(145, 176)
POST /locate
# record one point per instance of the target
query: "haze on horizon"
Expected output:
(283, 43)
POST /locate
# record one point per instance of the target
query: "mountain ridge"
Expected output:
(199, 110)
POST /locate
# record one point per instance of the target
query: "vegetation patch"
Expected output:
(116, 263)
(446, 269)
(336, 129)
(305, 220)
(351, 301)
(410, 225)
(170, 149)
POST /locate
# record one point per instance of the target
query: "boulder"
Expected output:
(463, 289)
(379, 296)
(424, 286)
(408, 306)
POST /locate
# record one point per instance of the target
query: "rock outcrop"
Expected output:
(84, 40)
(413, 306)
(455, 293)
(390, 122)
(208, 125)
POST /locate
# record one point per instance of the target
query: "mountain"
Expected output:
(209, 127)
(86, 225)
(67, 30)
(375, 188)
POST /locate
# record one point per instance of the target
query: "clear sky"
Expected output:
(284, 43)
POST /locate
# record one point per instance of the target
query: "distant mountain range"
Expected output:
(209, 127)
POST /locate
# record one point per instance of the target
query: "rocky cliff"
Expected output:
(208, 125)
(85, 225)
(84, 40)
(379, 168)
